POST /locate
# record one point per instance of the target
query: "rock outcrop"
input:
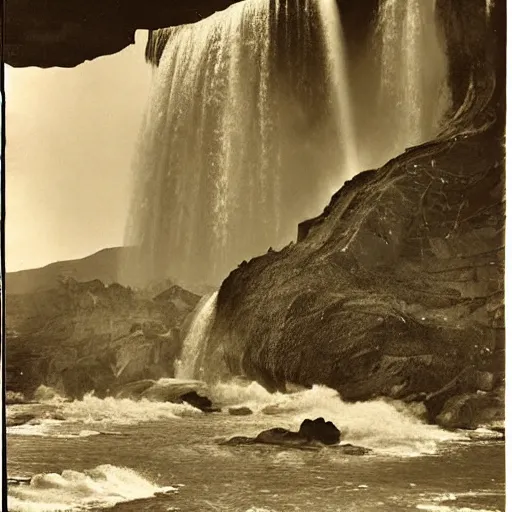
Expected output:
(79, 337)
(474, 410)
(71, 32)
(67, 33)
(312, 435)
(396, 289)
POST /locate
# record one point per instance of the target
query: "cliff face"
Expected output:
(80, 337)
(397, 288)
(394, 290)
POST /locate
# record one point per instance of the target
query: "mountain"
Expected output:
(101, 265)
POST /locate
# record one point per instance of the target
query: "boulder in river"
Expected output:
(199, 402)
(19, 419)
(320, 430)
(312, 435)
(472, 410)
(239, 411)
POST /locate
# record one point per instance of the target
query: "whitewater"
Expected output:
(103, 452)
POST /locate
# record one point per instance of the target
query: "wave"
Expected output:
(92, 410)
(438, 503)
(103, 486)
(387, 427)
(123, 411)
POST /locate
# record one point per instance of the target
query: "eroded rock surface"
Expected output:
(395, 290)
(80, 337)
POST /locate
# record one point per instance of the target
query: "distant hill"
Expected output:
(101, 265)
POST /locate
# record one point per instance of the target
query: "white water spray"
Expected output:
(241, 141)
(197, 337)
(101, 487)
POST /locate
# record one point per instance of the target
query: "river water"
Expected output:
(146, 456)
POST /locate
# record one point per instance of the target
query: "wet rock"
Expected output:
(464, 382)
(389, 292)
(239, 411)
(134, 390)
(57, 416)
(238, 441)
(19, 419)
(271, 410)
(472, 410)
(280, 436)
(350, 449)
(19, 480)
(172, 390)
(79, 337)
(13, 398)
(312, 435)
(500, 430)
(485, 381)
(320, 430)
(199, 402)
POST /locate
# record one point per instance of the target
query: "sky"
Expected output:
(71, 136)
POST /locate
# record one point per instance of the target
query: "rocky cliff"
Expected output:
(396, 289)
(79, 337)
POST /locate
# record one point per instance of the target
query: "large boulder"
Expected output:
(312, 435)
(198, 401)
(473, 410)
(320, 430)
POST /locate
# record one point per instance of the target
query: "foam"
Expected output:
(386, 427)
(103, 486)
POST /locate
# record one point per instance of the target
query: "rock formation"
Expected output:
(396, 289)
(71, 32)
(80, 337)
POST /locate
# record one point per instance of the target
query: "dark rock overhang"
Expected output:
(65, 33)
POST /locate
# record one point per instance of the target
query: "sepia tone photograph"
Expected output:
(253, 255)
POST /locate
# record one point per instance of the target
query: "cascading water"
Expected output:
(489, 4)
(414, 91)
(196, 339)
(240, 142)
(335, 44)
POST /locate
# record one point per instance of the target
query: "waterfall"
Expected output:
(489, 5)
(197, 337)
(240, 141)
(414, 90)
(337, 59)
